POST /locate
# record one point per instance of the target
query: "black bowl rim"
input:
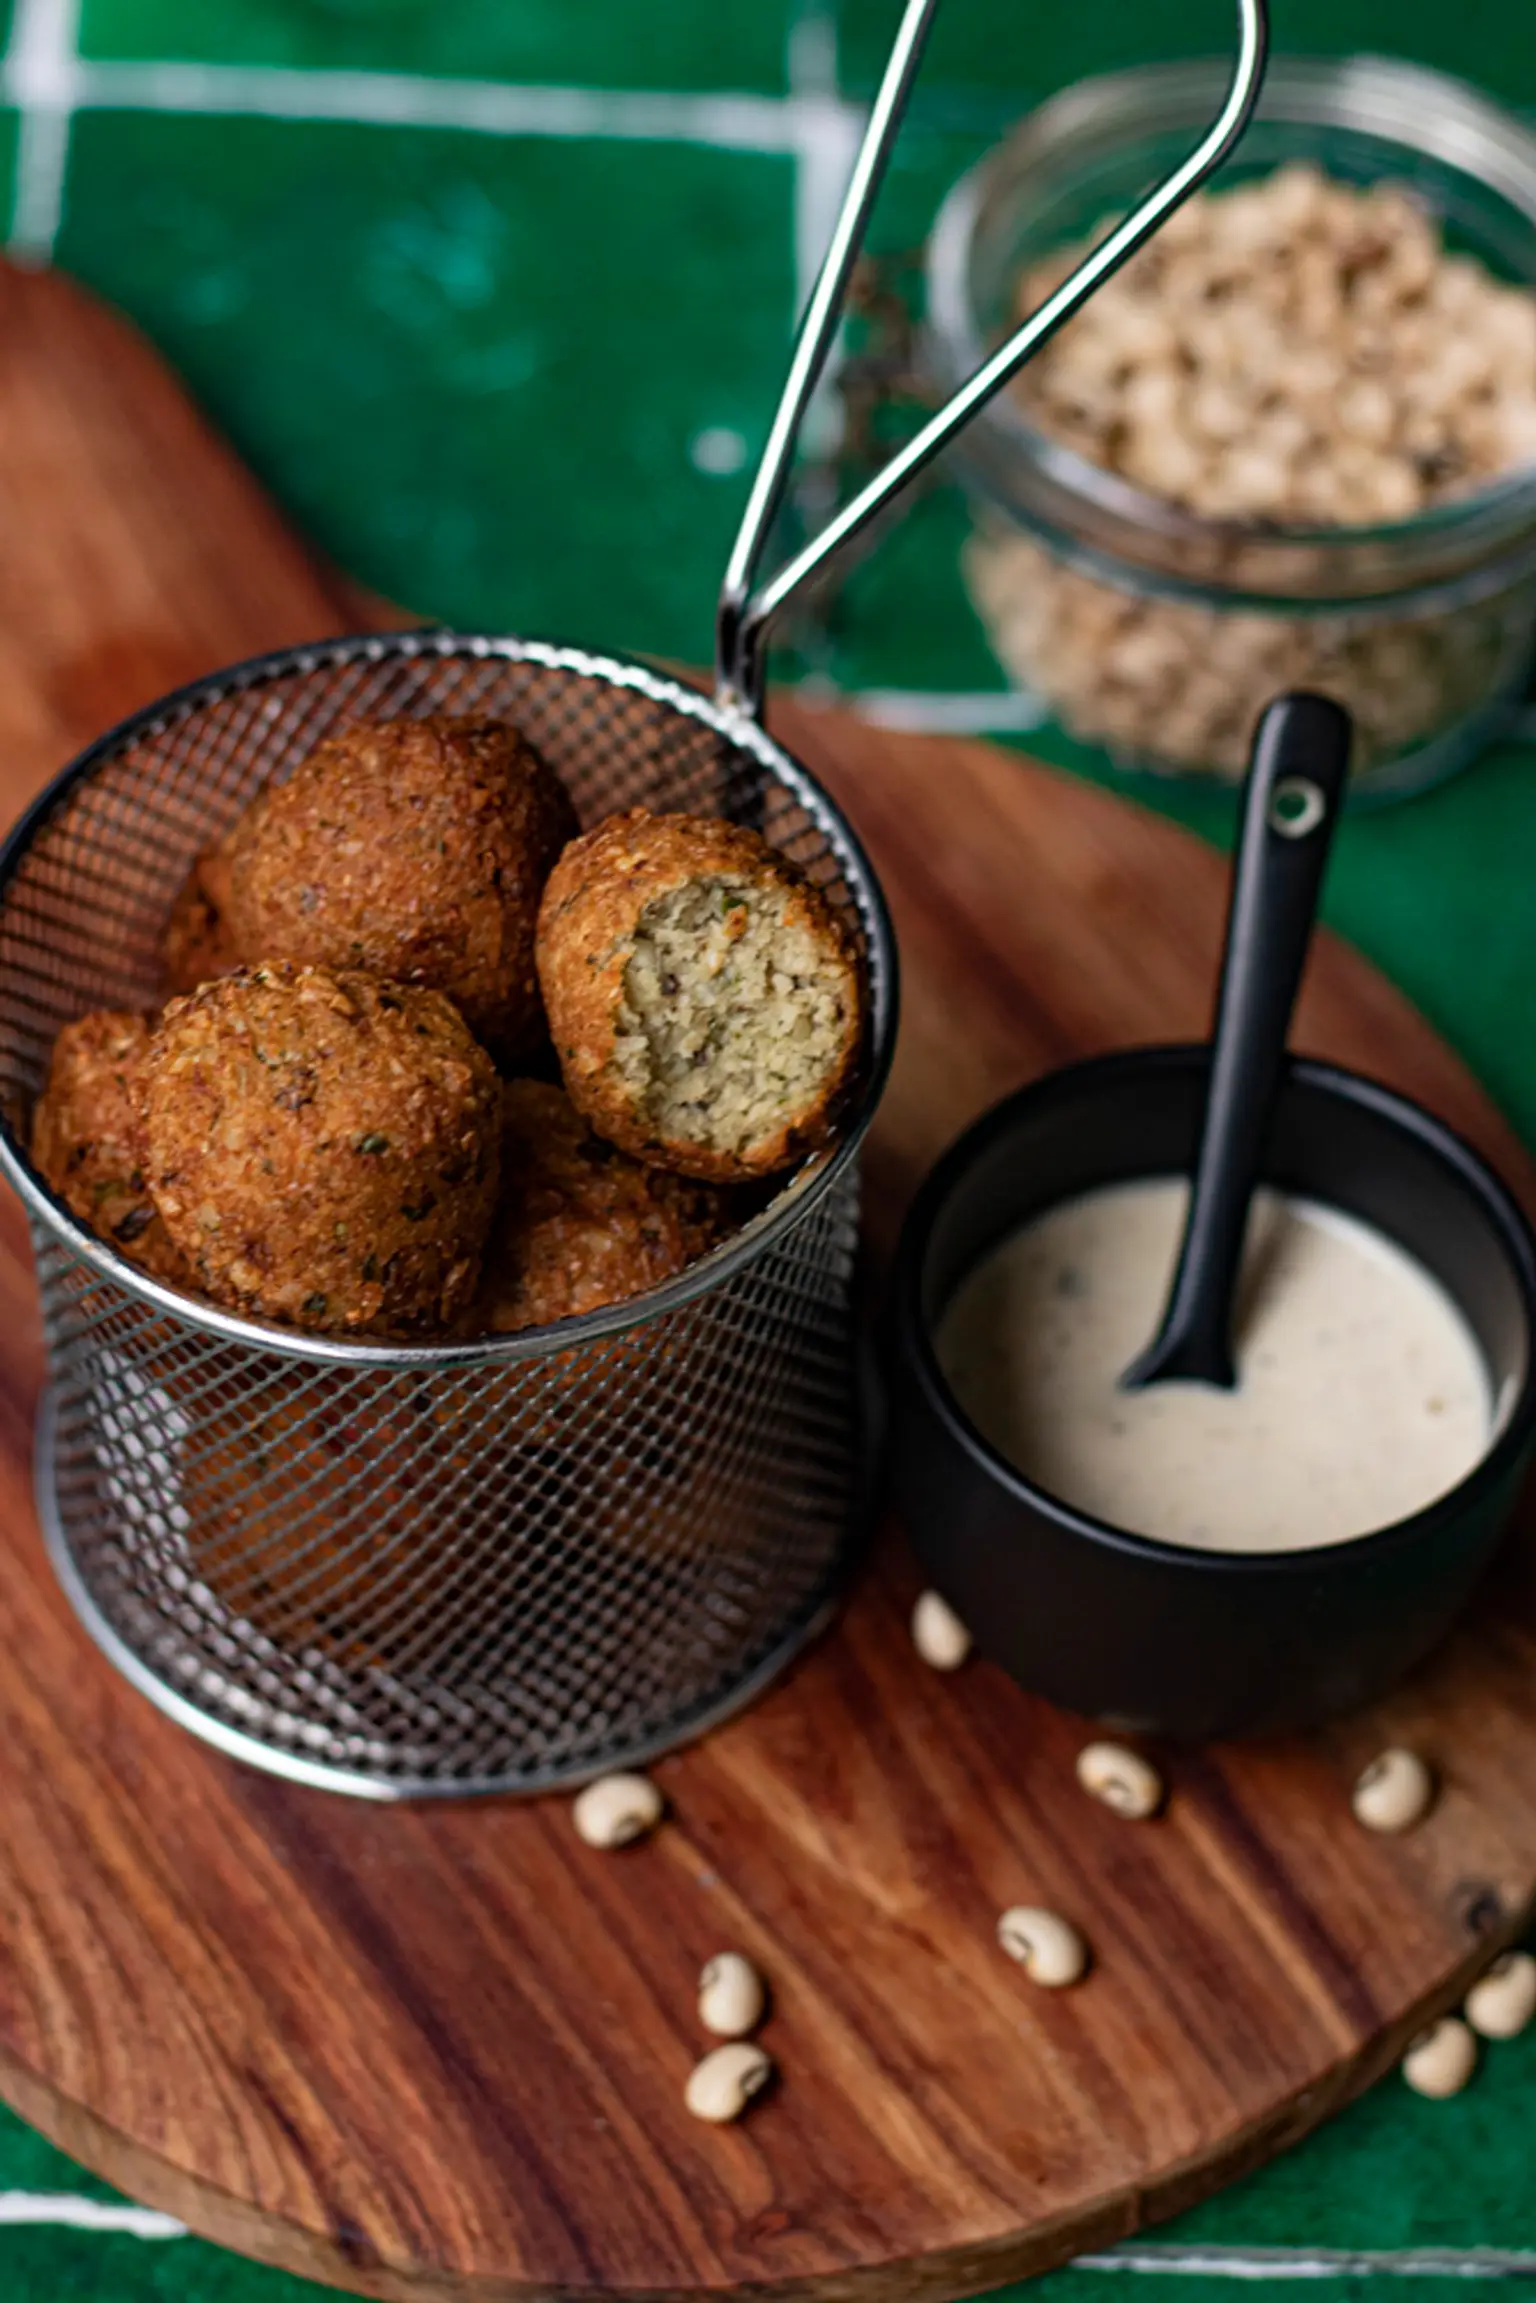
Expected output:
(913, 1340)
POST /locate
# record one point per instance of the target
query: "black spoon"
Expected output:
(1291, 803)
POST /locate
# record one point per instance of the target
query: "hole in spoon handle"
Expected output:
(1296, 807)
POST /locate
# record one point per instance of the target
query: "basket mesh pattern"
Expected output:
(416, 1571)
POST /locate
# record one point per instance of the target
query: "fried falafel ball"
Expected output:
(323, 1148)
(579, 1223)
(199, 942)
(85, 1138)
(704, 998)
(416, 849)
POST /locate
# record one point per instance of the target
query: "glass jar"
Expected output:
(1159, 633)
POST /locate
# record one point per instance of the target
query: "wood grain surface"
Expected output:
(440, 2053)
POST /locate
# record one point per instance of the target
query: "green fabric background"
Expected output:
(473, 367)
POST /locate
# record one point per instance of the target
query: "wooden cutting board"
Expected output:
(440, 2052)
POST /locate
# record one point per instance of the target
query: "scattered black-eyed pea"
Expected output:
(1047, 1947)
(729, 2078)
(1501, 2003)
(732, 1996)
(617, 1809)
(938, 1634)
(1442, 2059)
(1394, 1792)
(1121, 1778)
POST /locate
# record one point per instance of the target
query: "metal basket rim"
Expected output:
(803, 1192)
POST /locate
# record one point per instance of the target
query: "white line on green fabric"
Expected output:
(1249, 2263)
(46, 78)
(827, 135)
(38, 76)
(68, 2207)
(725, 120)
(924, 712)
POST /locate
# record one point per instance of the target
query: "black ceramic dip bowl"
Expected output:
(1152, 1635)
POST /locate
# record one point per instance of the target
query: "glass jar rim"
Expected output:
(1412, 104)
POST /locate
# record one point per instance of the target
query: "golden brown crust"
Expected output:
(416, 849)
(592, 904)
(323, 1147)
(580, 1224)
(199, 942)
(85, 1138)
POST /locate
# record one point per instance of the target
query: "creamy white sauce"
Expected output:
(1361, 1392)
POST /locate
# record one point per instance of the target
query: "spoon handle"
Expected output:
(1291, 802)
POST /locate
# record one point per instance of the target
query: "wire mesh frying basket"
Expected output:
(436, 1567)
(503, 1564)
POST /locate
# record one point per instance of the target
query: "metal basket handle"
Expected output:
(745, 612)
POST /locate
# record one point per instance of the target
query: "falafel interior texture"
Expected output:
(733, 1024)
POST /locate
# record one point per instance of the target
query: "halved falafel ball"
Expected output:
(704, 998)
(416, 849)
(85, 1138)
(323, 1148)
(579, 1223)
